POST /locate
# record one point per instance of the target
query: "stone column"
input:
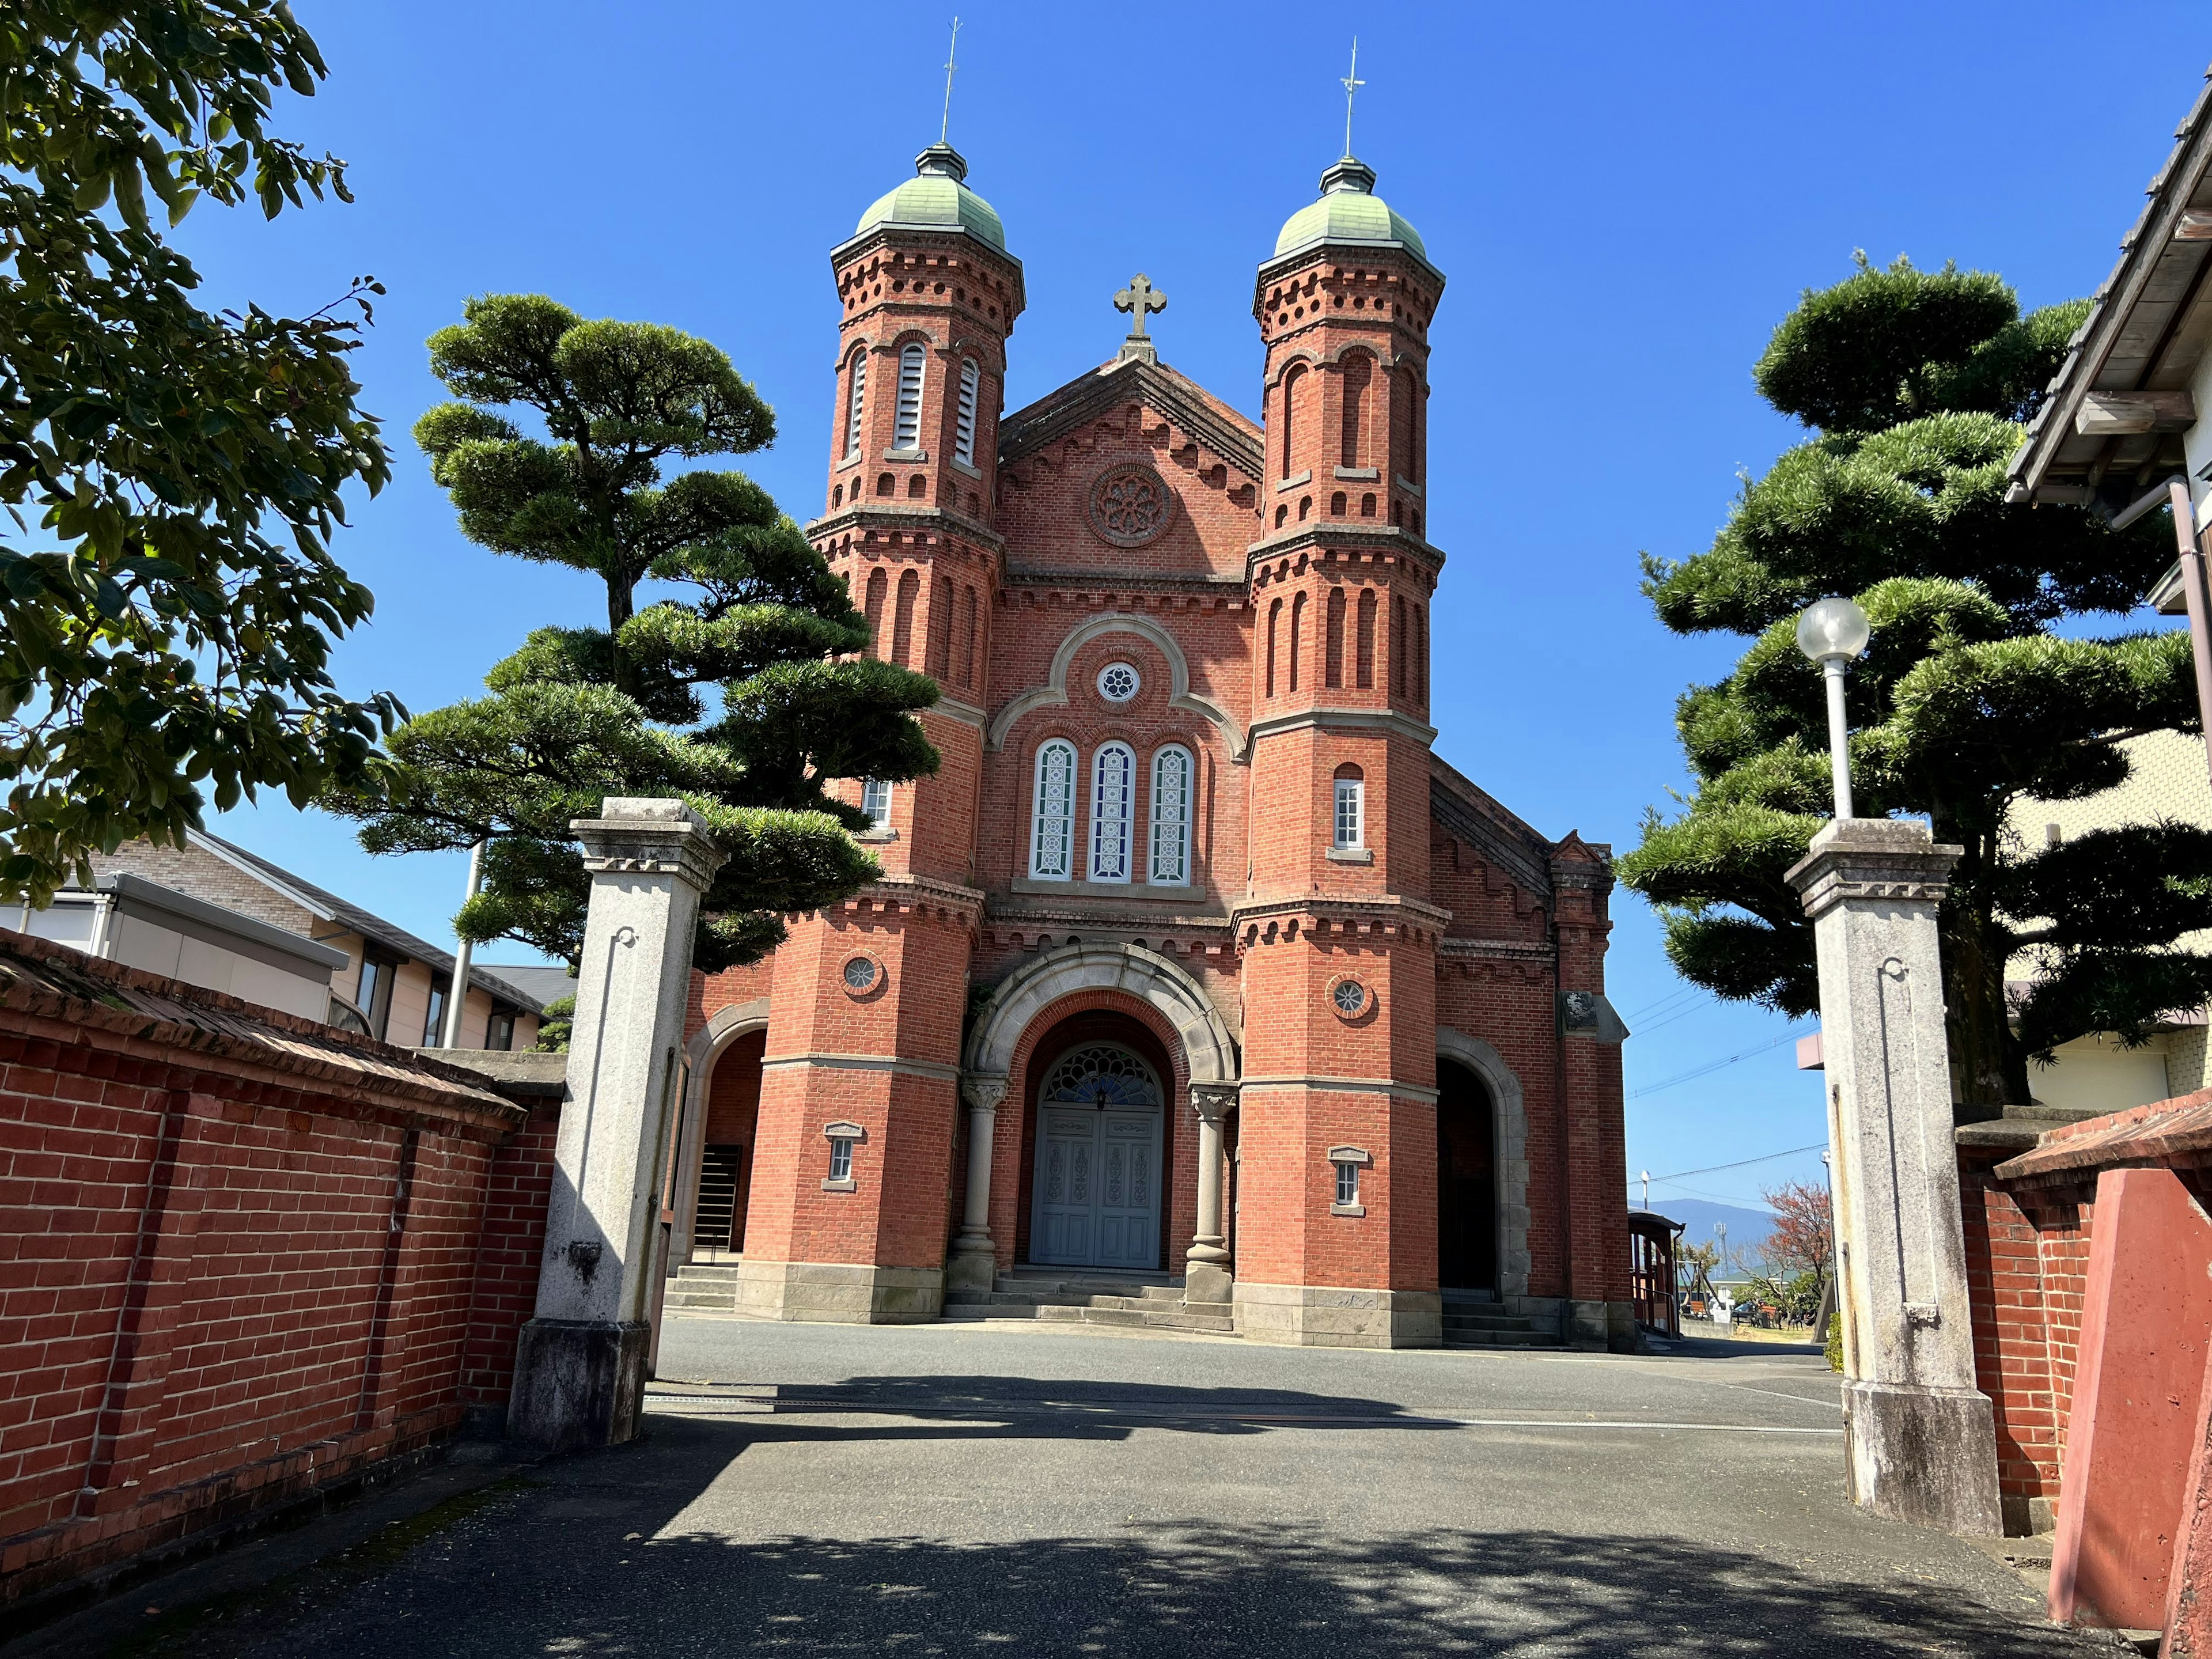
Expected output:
(579, 1365)
(1206, 1271)
(1920, 1440)
(974, 1262)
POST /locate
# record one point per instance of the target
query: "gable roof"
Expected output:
(321, 901)
(1113, 385)
(1475, 816)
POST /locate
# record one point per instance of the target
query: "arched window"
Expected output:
(972, 646)
(917, 488)
(876, 802)
(1113, 793)
(1100, 1075)
(1297, 636)
(903, 618)
(1359, 372)
(1294, 389)
(879, 586)
(1171, 841)
(1421, 654)
(1333, 646)
(1350, 807)
(1274, 624)
(907, 435)
(1398, 645)
(963, 431)
(1366, 638)
(1052, 837)
(856, 398)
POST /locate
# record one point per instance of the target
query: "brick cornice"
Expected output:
(935, 522)
(1263, 921)
(1344, 532)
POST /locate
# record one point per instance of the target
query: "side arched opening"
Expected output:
(1467, 1180)
(725, 1152)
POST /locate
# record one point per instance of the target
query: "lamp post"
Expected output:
(1832, 632)
(1920, 1440)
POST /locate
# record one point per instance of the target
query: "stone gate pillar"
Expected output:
(579, 1365)
(1920, 1441)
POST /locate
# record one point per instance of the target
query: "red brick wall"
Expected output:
(2027, 1259)
(223, 1287)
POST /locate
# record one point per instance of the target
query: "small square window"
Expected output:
(1351, 812)
(840, 1159)
(1347, 1184)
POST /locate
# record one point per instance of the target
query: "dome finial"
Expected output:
(1351, 85)
(944, 127)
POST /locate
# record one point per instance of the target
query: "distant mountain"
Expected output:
(1746, 1227)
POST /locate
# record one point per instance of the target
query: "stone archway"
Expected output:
(723, 1028)
(1211, 1064)
(1511, 1120)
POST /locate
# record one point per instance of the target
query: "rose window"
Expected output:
(1130, 505)
(1117, 682)
(1350, 997)
(861, 974)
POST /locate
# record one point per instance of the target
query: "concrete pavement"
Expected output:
(816, 1490)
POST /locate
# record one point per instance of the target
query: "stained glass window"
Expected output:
(1052, 843)
(1170, 851)
(1112, 785)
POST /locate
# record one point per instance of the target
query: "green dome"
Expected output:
(1348, 212)
(936, 199)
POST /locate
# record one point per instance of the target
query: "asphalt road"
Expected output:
(813, 1491)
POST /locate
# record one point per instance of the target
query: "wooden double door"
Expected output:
(1097, 1185)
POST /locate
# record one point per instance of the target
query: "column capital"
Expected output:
(645, 835)
(1872, 859)
(984, 1090)
(1213, 1101)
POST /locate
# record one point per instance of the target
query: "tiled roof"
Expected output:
(366, 924)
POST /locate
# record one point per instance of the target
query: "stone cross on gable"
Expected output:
(1140, 297)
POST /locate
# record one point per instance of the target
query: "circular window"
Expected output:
(1130, 505)
(1118, 682)
(861, 974)
(1350, 997)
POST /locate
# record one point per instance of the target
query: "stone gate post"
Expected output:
(579, 1365)
(1920, 1441)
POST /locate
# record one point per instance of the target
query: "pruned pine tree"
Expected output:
(1982, 686)
(737, 692)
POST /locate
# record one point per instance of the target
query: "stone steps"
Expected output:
(1154, 1303)
(710, 1288)
(1472, 1322)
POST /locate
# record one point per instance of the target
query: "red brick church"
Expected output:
(1196, 988)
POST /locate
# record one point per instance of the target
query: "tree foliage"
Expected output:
(1804, 1237)
(172, 476)
(1977, 692)
(737, 692)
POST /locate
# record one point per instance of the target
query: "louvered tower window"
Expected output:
(908, 433)
(964, 436)
(856, 399)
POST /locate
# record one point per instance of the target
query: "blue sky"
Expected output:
(1625, 198)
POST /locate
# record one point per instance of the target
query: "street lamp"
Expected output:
(1832, 632)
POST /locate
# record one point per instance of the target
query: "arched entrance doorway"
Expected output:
(1466, 1180)
(725, 1151)
(1096, 1183)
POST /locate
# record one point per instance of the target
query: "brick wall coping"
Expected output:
(76, 996)
(2141, 1134)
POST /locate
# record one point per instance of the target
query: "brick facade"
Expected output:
(250, 1259)
(1271, 588)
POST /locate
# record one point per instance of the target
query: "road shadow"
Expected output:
(541, 1579)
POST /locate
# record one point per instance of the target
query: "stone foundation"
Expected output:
(840, 1293)
(1324, 1317)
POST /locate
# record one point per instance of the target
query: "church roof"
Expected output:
(1349, 210)
(936, 199)
(1133, 379)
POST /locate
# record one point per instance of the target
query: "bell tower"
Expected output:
(858, 1111)
(1337, 933)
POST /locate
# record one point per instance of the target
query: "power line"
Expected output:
(1677, 994)
(1711, 1067)
(1743, 1162)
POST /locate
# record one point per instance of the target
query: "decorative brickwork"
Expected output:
(1184, 666)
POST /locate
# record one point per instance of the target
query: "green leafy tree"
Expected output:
(171, 474)
(755, 616)
(1977, 692)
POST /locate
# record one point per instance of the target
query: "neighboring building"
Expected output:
(1237, 976)
(2119, 424)
(214, 914)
